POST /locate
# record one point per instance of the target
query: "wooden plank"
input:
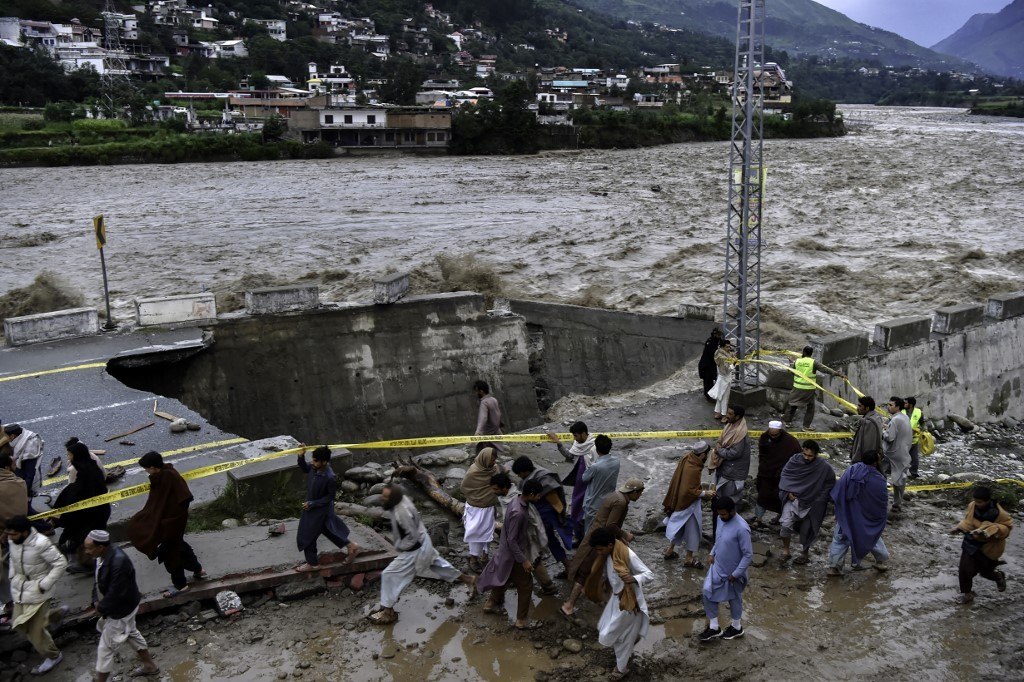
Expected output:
(128, 433)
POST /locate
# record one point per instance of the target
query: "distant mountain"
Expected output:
(800, 27)
(995, 41)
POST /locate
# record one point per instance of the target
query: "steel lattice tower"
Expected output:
(742, 308)
(115, 83)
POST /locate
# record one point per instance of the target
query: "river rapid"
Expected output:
(916, 208)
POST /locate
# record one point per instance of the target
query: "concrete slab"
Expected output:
(903, 331)
(60, 324)
(282, 299)
(836, 349)
(391, 288)
(164, 310)
(241, 559)
(1004, 306)
(955, 318)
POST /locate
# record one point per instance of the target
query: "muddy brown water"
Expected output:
(916, 208)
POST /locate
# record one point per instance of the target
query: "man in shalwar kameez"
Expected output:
(479, 514)
(581, 454)
(896, 442)
(727, 575)
(804, 489)
(416, 555)
(618, 578)
(682, 505)
(861, 500)
(318, 515)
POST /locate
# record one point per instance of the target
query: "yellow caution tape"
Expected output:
(43, 372)
(166, 455)
(404, 443)
(959, 484)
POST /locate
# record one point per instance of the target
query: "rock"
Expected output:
(192, 608)
(299, 590)
(350, 509)
(178, 426)
(455, 474)
(762, 548)
(230, 523)
(192, 426)
(388, 473)
(449, 601)
(349, 486)
(377, 489)
(964, 423)
(653, 522)
(1009, 422)
(943, 477)
(191, 641)
(374, 465)
(208, 615)
(438, 533)
(282, 675)
(364, 475)
(572, 645)
(303, 665)
(759, 561)
(373, 501)
(972, 476)
(655, 188)
(228, 602)
(541, 676)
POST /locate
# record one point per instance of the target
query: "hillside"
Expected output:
(800, 27)
(995, 41)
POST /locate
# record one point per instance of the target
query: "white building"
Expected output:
(277, 28)
(232, 48)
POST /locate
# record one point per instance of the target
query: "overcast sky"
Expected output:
(926, 22)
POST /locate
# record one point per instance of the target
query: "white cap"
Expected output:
(99, 536)
(774, 425)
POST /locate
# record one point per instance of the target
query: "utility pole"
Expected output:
(100, 227)
(742, 305)
(116, 87)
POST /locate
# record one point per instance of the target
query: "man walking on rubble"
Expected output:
(318, 514)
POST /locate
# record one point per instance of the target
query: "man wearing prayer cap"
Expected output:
(774, 449)
(116, 597)
(610, 515)
(682, 505)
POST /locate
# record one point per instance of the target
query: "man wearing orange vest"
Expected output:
(804, 393)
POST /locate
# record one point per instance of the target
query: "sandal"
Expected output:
(548, 590)
(671, 557)
(693, 563)
(380, 618)
(199, 575)
(532, 625)
(801, 560)
(141, 671)
(173, 592)
(490, 608)
(351, 555)
(615, 675)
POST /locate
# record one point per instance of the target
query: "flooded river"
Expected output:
(914, 209)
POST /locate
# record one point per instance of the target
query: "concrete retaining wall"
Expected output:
(282, 299)
(593, 351)
(166, 310)
(60, 324)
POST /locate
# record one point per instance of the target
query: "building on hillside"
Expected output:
(335, 120)
(336, 80)
(231, 48)
(262, 104)
(276, 28)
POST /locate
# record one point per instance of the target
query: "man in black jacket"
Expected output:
(116, 597)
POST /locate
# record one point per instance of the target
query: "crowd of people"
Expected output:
(583, 533)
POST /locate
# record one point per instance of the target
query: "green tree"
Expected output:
(274, 128)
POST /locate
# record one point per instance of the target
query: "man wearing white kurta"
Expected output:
(625, 620)
(416, 555)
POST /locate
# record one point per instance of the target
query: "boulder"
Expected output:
(373, 501)
(364, 475)
(971, 476)
(572, 645)
(349, 486)
(438, 533)
(377, 489)
(964, 423)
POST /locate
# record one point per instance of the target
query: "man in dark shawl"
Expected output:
(611, 516)
(158, 529)
(89, 481)
(318, 515)
(706, 368)
(511, 564)
(804, 489)
(551, 507)
(868, 435)
(861, 500)
(774, 449)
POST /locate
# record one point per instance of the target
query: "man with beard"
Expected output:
(611, 516)
(581, 454)
(896, 442)
(158, 529)
(27, 450)
(727, 575)
(550, 506)
(682, 505)
(774, 449)
(36, 566)
(511, 564)
(416, 555)
(861, 500)
(730, 458)
(868, 436)
(804, 489)
(706, 368)
(985, 527)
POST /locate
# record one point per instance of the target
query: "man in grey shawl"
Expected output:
(416, 555)
(804, 489)
(896, 441)
(868, 436)
(730, 458)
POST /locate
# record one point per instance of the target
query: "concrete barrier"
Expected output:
(60, 324)
(390, 289)
(1005, 306)
(175, 309)
(840, 348)
(956, 318)
(282, 299)
(903, 331)
(695, 311)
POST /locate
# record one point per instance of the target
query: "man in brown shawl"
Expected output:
(774, 449)
(870, 428)
(611, 515)
(158, 529)
(682, 505)
(478, 515)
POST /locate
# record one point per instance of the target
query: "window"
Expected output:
(371, 119)
(389, 137)
(348, 118)
(328, 118)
